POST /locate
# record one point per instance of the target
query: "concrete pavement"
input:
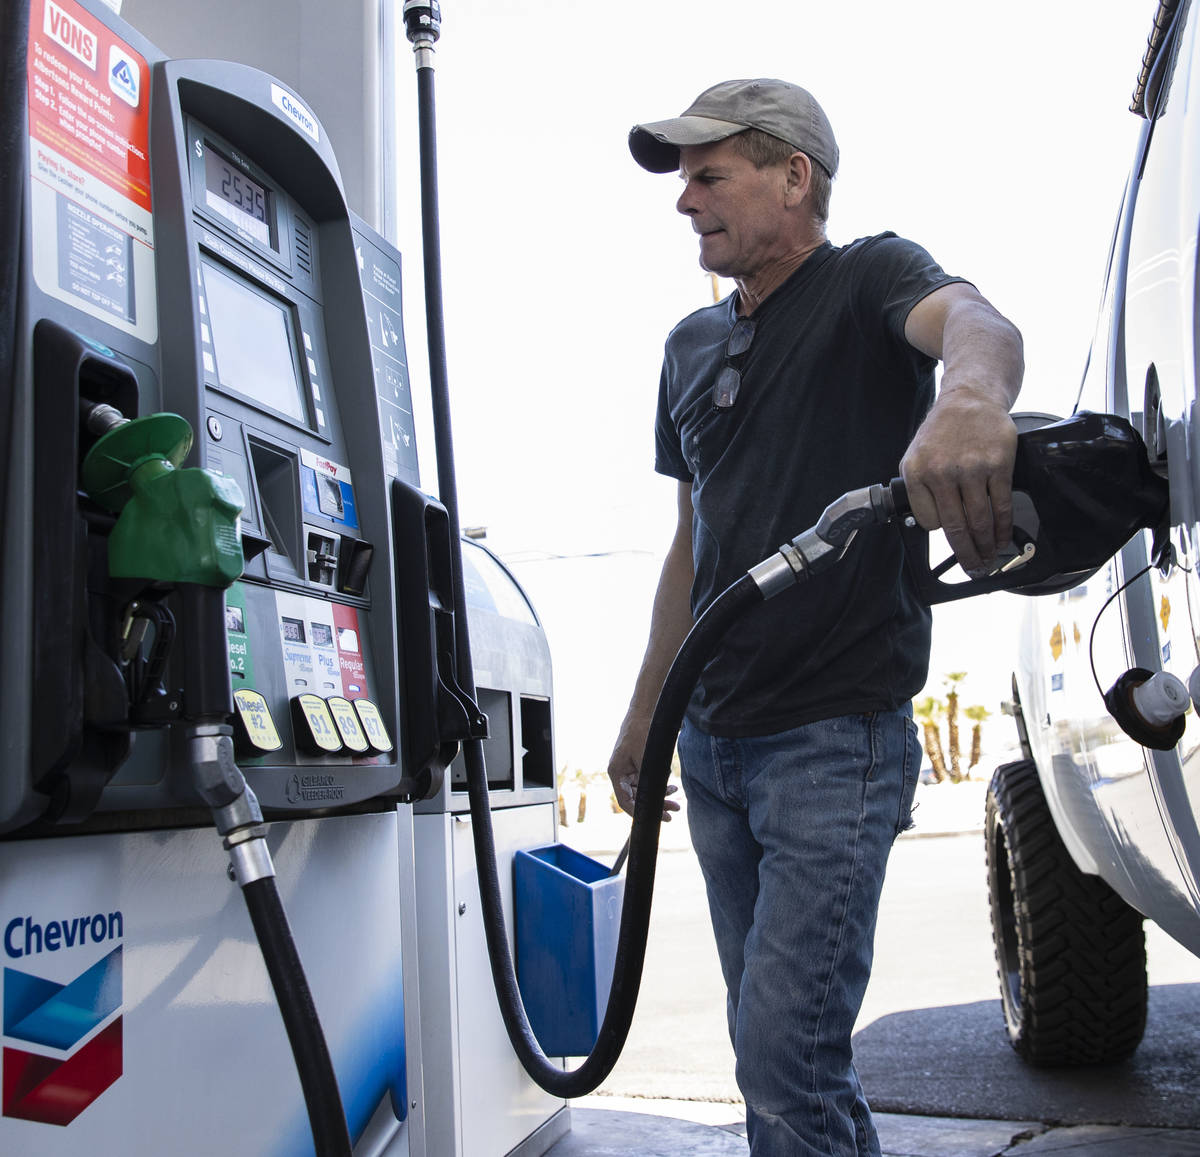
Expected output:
(623, 1127)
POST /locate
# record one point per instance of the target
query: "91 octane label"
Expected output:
(321, 732)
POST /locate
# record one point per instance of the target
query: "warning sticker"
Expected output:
(95, 260)
(89, 150)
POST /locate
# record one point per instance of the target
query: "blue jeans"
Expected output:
(793, 832)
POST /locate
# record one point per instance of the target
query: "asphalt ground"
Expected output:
(930, 1043)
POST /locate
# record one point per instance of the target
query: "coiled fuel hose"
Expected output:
(812, 551)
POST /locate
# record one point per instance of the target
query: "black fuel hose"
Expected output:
(318, 1080)
(220, 783)
(660, 741)
(677, 690)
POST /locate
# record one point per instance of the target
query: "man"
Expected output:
(799, 752)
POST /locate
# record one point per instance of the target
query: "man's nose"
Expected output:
(687, 202)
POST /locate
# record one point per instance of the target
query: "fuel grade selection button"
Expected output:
(254, 728)
(345, 718)
(316, 732)
(373, 725)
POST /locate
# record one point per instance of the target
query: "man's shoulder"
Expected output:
(715, 318)
(877, 246)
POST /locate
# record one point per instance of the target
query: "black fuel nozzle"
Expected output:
(422, 22)
(1082, 487)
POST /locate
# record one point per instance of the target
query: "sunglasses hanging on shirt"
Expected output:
(729, 378)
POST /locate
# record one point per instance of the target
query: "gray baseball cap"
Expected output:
(784, 110)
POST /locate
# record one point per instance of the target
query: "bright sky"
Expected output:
(996, 135)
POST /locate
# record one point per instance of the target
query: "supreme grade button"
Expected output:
(316, 732)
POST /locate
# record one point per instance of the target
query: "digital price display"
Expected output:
(293, 629)
(240, 200)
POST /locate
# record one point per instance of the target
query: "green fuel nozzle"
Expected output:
(175, 525)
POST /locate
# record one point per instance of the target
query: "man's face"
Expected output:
(738, 210)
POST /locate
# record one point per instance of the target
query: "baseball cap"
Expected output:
(784, 110)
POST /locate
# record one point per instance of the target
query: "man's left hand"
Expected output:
(958, 469)
(958, 473)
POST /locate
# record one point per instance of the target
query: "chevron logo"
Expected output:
(77, 1034)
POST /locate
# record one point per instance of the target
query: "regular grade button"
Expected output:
(346, 721)
(372, 723)
(254, 728)
(316, 732)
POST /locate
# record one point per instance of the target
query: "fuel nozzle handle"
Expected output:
(818, 548)
(898, 496)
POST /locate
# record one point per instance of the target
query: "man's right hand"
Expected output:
(670, 621)
(624, 771)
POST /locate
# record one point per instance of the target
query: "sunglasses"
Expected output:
(729, 379)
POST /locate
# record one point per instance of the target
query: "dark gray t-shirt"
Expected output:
(831, 395)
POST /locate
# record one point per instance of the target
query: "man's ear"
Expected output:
(799, 178)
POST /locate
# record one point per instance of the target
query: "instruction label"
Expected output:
(89, 154)
(379, 275)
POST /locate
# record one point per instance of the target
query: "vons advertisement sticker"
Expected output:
(89, 170)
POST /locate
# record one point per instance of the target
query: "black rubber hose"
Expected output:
(660, 741)
(318, 1081)
(639, 882)
(439, 378)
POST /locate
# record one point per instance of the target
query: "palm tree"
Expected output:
(977, 715)
(581, 778)
(952, 680)
(927, 711)
(562, 803)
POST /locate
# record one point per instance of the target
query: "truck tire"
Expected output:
(1071, 953)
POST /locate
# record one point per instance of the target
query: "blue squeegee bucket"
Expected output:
(568, 913)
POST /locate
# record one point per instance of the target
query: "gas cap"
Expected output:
(1161, 699)
(1149, 706)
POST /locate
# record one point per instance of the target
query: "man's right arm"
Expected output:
(670, 622)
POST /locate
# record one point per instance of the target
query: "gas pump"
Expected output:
(206, 404)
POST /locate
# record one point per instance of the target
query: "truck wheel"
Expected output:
(1071, 953)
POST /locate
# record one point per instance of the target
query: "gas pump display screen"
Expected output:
(236, 197)
(252, 341)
